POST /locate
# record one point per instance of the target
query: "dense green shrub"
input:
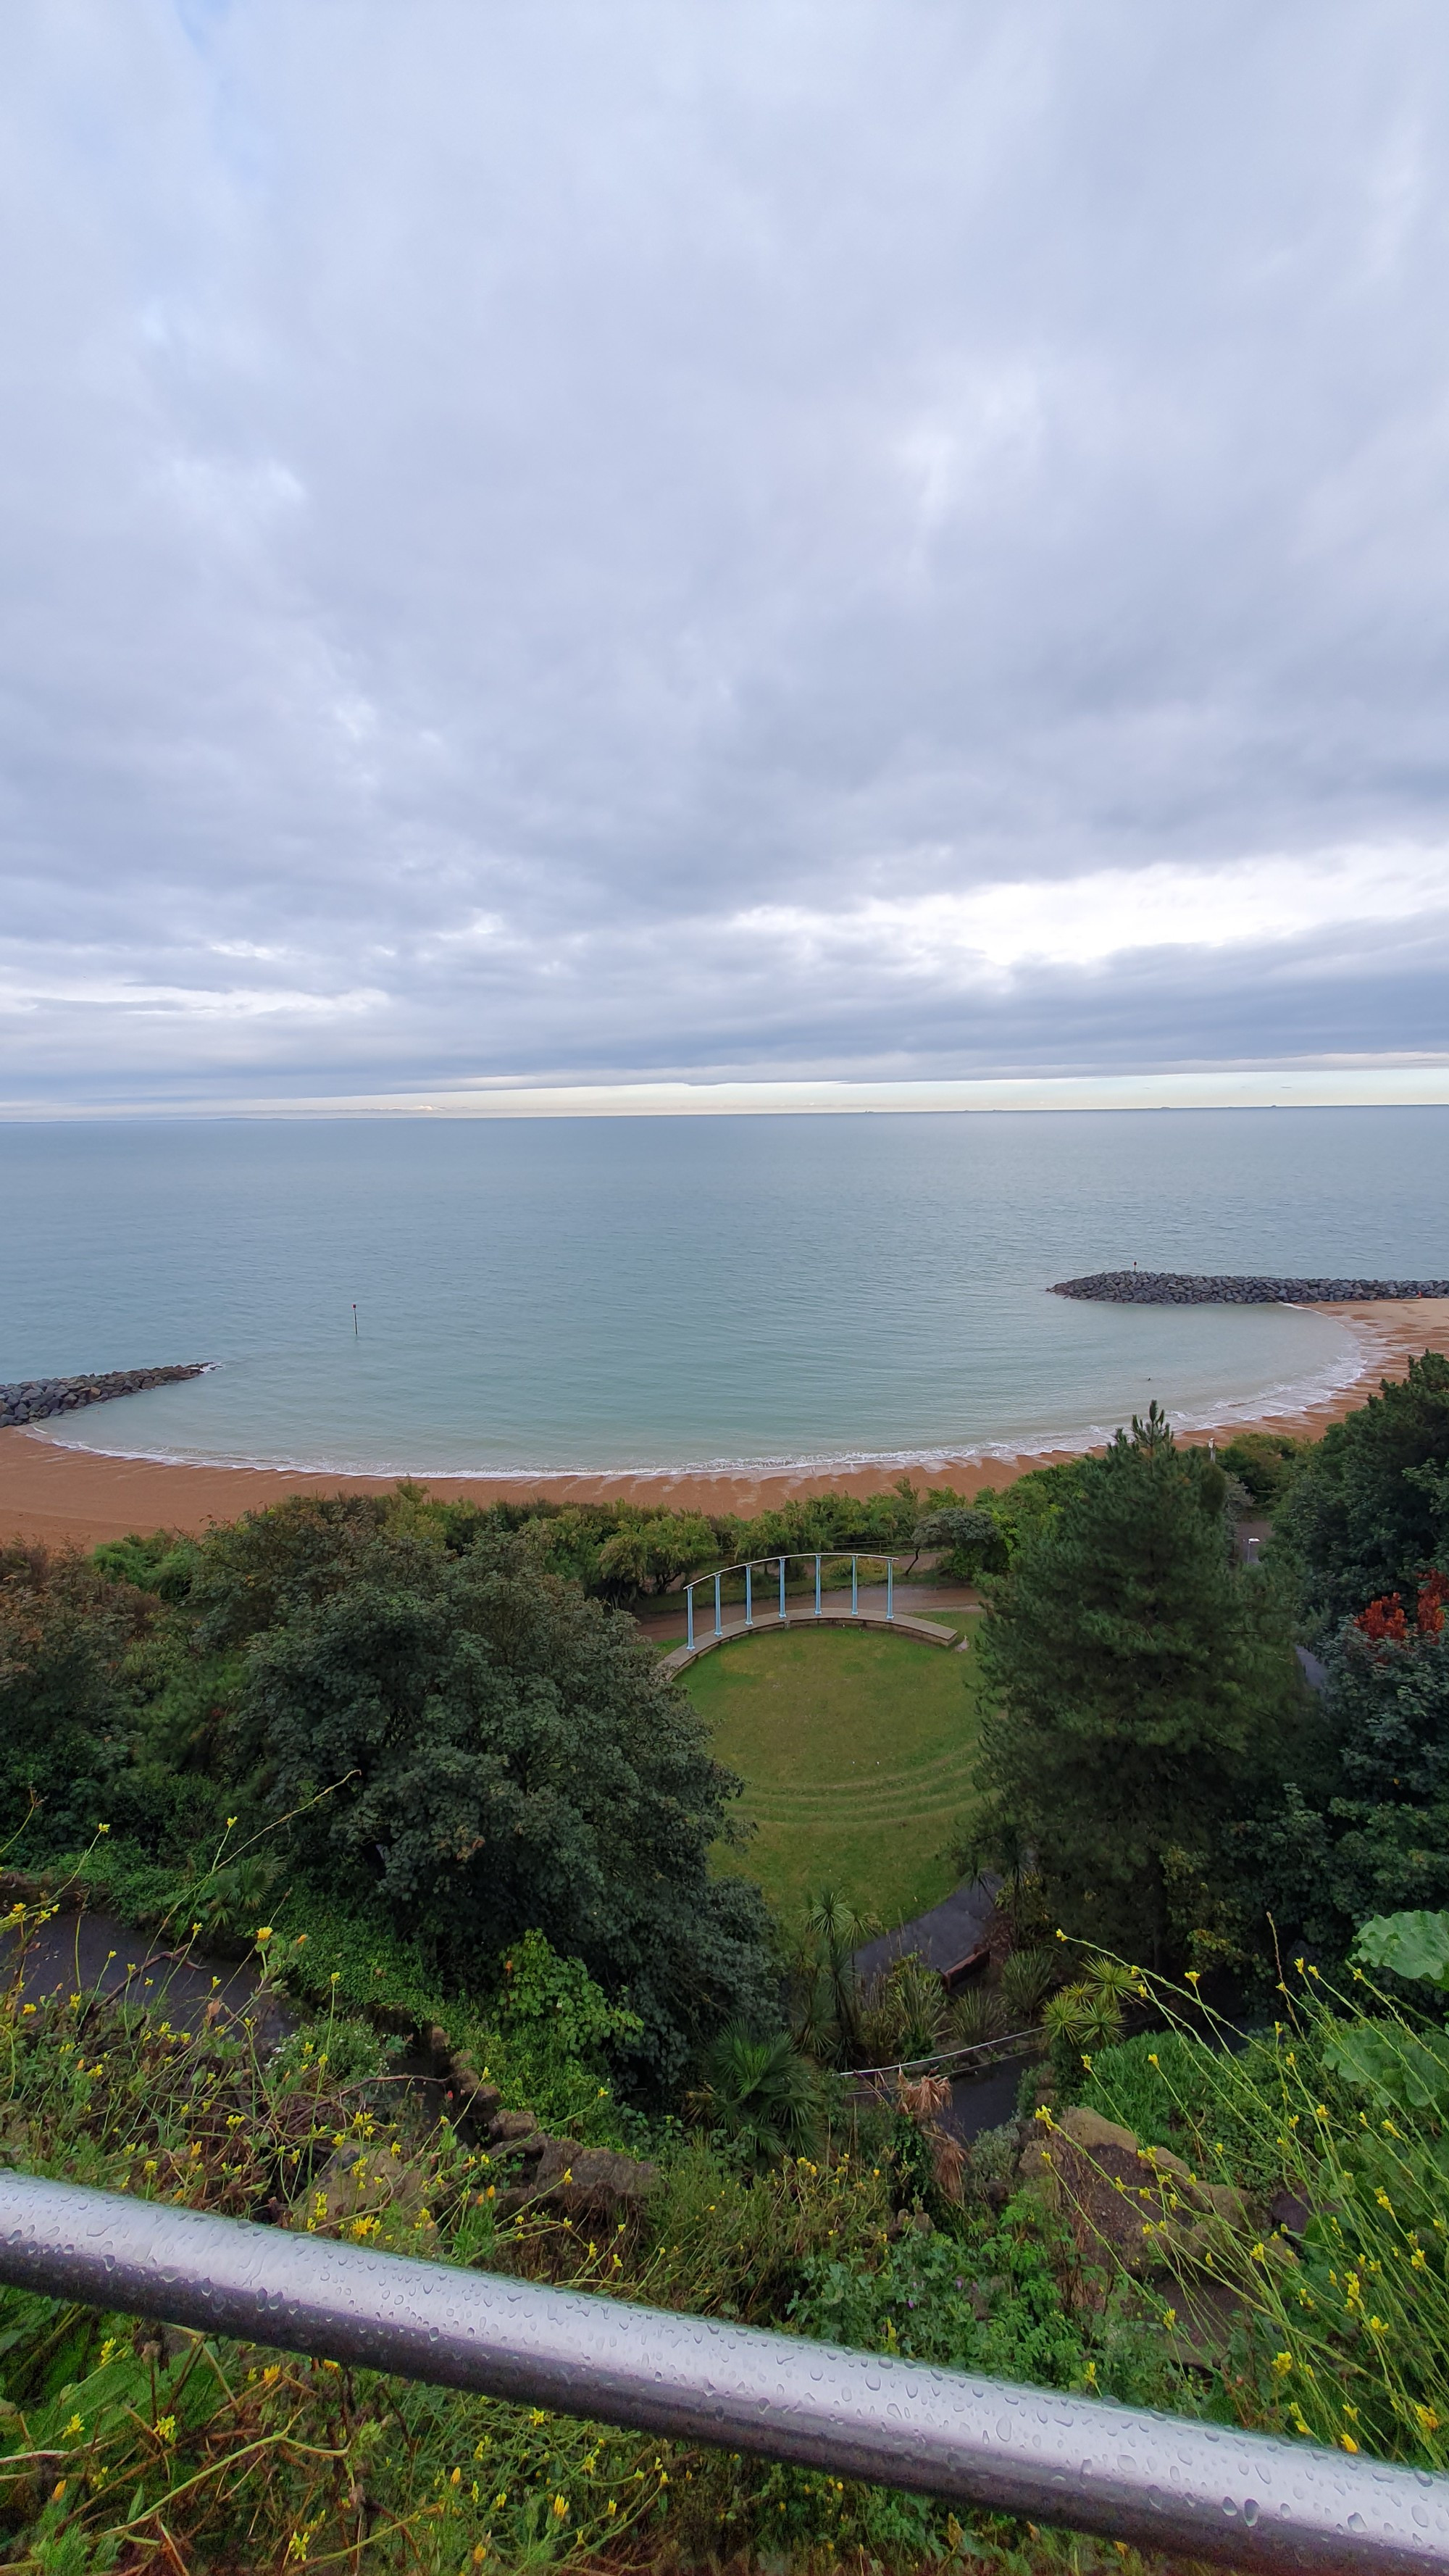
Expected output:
(1156, 2085)
(971, 1541)
(1264, 1463)
(1368, 1512)
(1373, 1838)
(989, 2297)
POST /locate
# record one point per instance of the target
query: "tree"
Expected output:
(64, 1630)
(1144, 1686)
(489, 1753)
(1374, 1836)
(648, 1555)
(1364, 1528)
(1368, 1510)
(971, 1541)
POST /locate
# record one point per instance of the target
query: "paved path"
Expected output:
(943, 1937)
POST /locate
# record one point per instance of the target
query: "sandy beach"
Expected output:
(67, 1496)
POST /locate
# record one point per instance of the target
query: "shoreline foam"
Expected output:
(63, 1493)
(1303, 1392)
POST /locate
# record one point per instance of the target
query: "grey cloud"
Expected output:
(593, 472)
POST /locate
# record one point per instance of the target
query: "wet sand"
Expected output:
(78, 1497)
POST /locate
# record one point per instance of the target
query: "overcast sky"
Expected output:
(578, 538)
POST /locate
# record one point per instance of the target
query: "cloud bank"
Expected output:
(756, 542)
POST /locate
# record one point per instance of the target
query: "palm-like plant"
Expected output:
(920, 2001)
(975, 2017)
(1027, 1978)
(903, 2014)
(228, 1899)
(1083, 2018)
(758, 2092)
(827, 2013)
(1112, 1977)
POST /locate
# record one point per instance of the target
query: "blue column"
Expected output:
(718, 1623)
(749, 1599)
(854, 1585)
(817, 1587)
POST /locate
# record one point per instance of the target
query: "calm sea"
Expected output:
(663, 1292)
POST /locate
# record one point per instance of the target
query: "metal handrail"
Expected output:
(1158, 2480)
(816, 1556)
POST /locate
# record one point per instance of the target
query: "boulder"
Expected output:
(1114, 2213)
(582, 2183)
(1088, 2129)
(472, 2097)
(507, 2127)
(365, 2182)
(1163, 2161)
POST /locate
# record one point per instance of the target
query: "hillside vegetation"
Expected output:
(442, 1801)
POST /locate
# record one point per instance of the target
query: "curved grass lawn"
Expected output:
(856, 1753)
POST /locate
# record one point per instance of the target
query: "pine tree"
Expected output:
(1144, 1685)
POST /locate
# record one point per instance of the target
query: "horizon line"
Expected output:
(1238, 1087)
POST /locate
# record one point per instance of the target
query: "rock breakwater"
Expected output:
(35, 1399)
(1188, 1288)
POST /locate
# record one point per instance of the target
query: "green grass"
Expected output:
(856, 1752)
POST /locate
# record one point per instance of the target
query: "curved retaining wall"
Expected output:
(1187, 1288)
(34, 1399)
(927, 1632)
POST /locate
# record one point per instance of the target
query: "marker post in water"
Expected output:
(354, 1319)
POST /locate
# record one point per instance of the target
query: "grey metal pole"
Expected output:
(718, 1621)
(890, 1587)
(689, 1615)
(854, 1585)
(1156, 2480)
(782, 1592)
(749, 1598)
(817, 1587)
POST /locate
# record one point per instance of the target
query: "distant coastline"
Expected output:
(65, 1495)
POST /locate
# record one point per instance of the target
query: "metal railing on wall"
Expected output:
(1159, 2481)
(818, 1557)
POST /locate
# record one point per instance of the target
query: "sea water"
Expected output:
(668, 1292)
